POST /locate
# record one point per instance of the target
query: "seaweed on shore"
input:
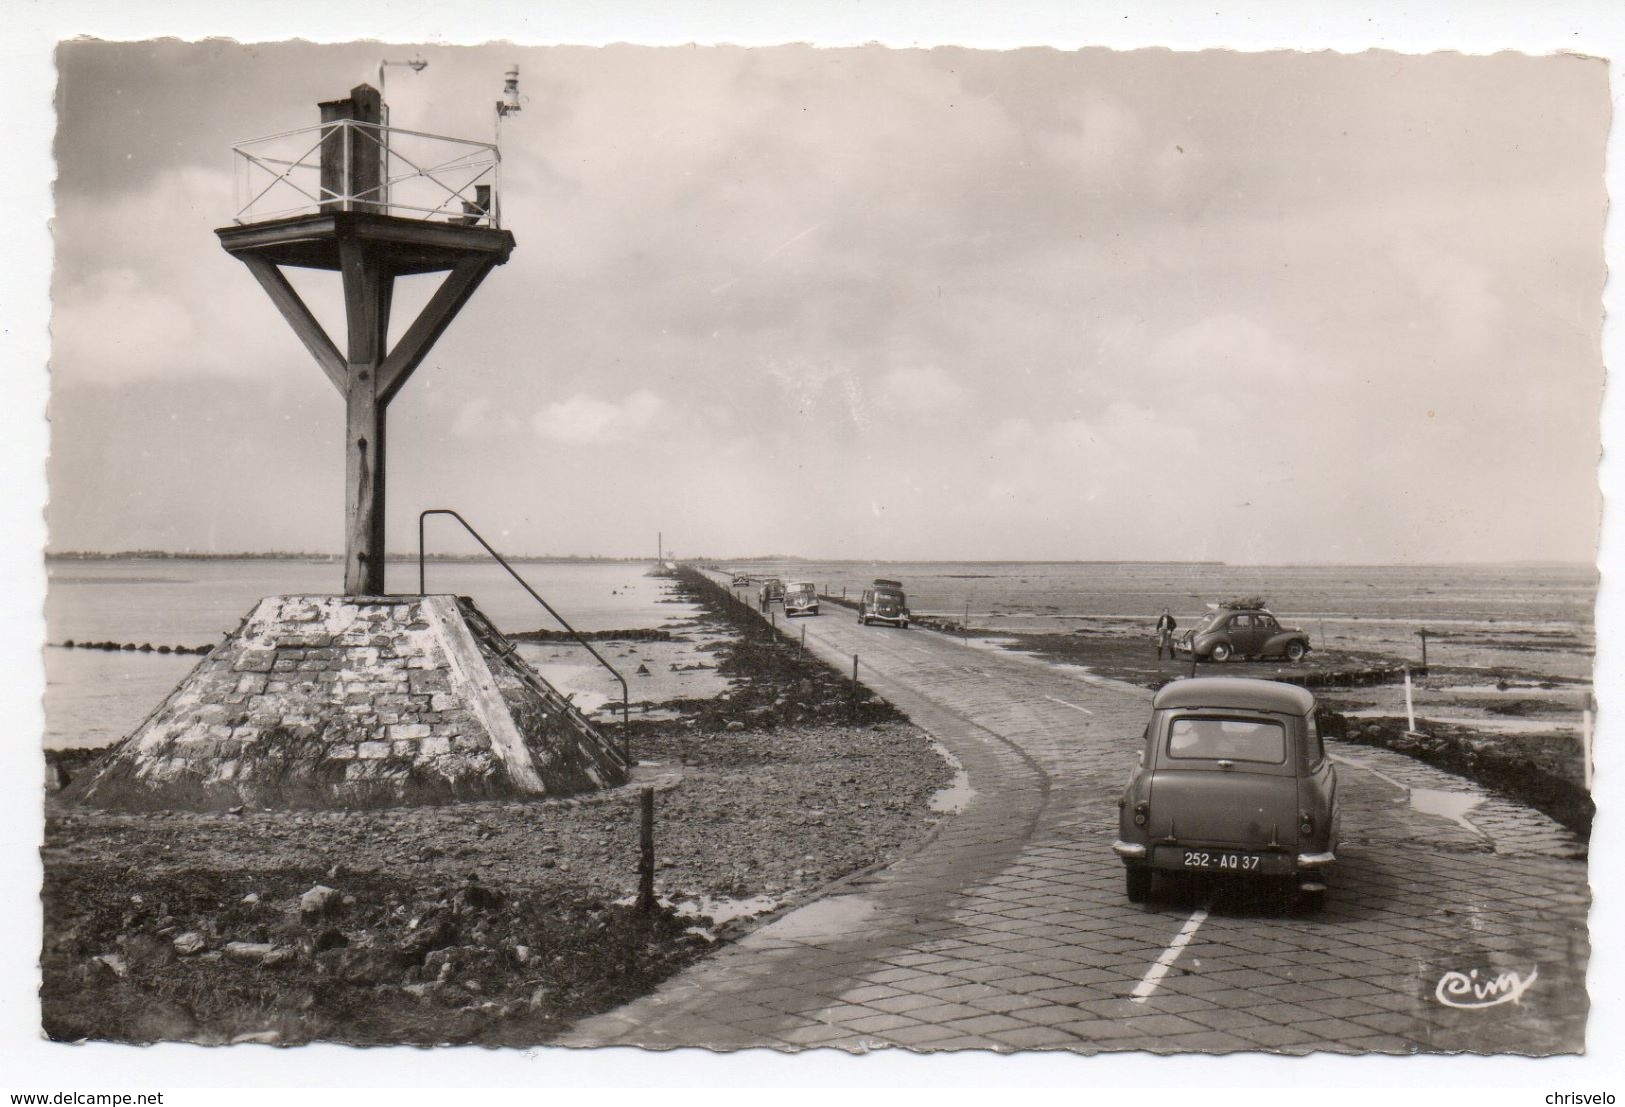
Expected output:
(497, 923)
(774, 682)
(639, 634)
(191, 957)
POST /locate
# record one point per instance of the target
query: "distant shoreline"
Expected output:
(783, 559)
(326, 559)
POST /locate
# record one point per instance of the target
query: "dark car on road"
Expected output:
(884, 602)
(800, 598)
(1232, 781)
(1243, 632)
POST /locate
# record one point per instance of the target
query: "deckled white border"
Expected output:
(28, 31)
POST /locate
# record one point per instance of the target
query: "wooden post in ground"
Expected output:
(801, 649)
(646, 851)
(853, 705)
(1410, 707)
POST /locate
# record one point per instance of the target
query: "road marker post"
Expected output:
(646, 851)
(1410, 706)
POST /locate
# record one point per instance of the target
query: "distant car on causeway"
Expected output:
(884, 602)
(800, 598)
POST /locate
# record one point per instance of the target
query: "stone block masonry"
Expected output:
(355, 701)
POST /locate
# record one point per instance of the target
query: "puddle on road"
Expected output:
(1450, 805)
(828, 918)
(957, 794)
(721, 911)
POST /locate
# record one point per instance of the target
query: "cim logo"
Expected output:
(1469, 990)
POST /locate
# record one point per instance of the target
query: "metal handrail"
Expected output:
(626, 705)
(452, 201)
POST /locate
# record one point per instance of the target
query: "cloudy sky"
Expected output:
(874, 303)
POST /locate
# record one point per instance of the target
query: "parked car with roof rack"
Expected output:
(1232, 780)
(1241, 629)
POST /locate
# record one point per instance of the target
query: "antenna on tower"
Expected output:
(508, 105)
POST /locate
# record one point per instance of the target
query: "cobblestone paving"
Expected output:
(1010, 928)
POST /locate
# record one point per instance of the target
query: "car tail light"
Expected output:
(1142, 813)
(1306, 823)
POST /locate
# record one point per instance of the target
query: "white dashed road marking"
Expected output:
(1148, 984)
(1068, 703)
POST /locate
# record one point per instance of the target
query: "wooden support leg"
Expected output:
(363, 489)
(368, 290)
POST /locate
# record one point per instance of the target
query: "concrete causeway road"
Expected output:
(1009, 929)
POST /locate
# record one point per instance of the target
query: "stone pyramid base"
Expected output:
(355, 701)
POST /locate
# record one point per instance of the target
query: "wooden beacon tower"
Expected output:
(362, 699)
(366, 230)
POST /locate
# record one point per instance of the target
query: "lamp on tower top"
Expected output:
(509, 104)
(416, 65)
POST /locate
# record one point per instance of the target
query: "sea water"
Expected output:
(95, 697)
(1520, 618)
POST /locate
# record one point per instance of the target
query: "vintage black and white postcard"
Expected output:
(924, 548)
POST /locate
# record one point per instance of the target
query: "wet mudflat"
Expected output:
(1510, 719)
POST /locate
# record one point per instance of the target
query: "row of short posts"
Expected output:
(801, 649)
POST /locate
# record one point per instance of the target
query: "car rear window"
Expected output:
(1205, 738)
